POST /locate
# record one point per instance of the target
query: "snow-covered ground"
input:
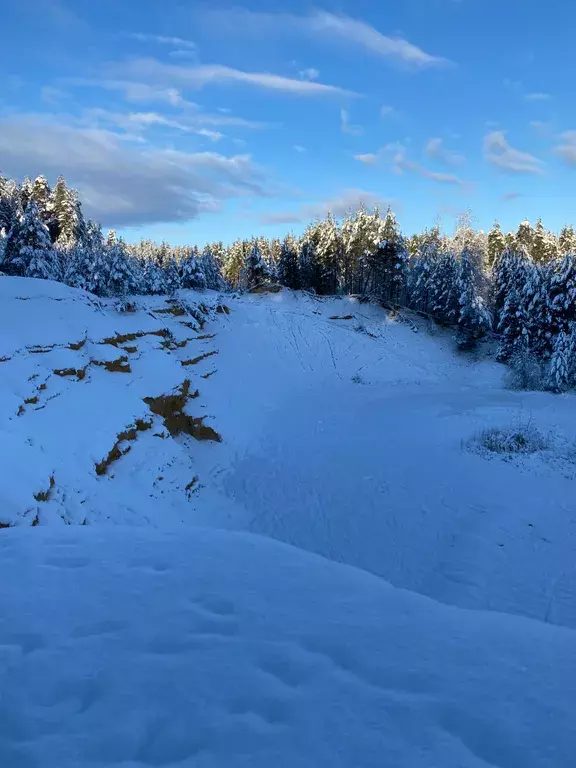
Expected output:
(345, 433)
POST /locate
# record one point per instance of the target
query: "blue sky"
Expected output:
(200, 121)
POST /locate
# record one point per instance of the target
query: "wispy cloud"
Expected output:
(498, 152)
(197, 77)
(436, 150)
(537, 97)
(309, 74)
(346, 126)
(511, 196)
(387, 111)
(346, 200)
(299, 148)
(567, 149)
(123, 183)
(396, 155)
(175, 42)
(324, 25)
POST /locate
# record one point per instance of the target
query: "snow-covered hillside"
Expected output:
(325, 424)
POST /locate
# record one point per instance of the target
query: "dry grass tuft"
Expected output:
(344, 317)
(222, 309)
(176, 311)
(266, 288)
(196, 360)
(207, 375)
(77, 345)
(130, 350)
(5, 359)
(80, 373)
(6, 525)
(206, 336)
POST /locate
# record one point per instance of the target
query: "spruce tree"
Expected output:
(562, 369)
(473, 318)
(566, 241)
(28, 241)
(525, 236)
(121, 279)
(191, 273)
(514, 321)
(255, 270)
(172, 276)
(212, 275)
(308, 266)
(496, 244)
(288, 267)
(443, 291)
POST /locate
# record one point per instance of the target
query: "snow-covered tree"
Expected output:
(234, 261)
(288, 267)
(255, 270)
(563, 291)
(473, 317)
(562, 370)
(191, 273)
(496, 244)
(122, 279)
(443, 291)
(172, 276)
(28, 241)
(154, 281)
(566, 241)
(544, 246)
(329, 252)
(308, 266)
(211, 271)
(525, 236)
(514, 321)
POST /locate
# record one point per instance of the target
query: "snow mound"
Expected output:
(129, 647)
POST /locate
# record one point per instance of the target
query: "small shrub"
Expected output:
(523, 438)
(357, 379)
(525, 372)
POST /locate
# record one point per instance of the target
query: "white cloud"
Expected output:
(387, 111)
(537, 97)
(346, 126)
(299, 148)
(122, 183)
(367, 159)
(309, 74)
(323, 25)
(176, 42)
(436, 150)
(197, 77)
(498, 152)
(348, 199)
(567, 150)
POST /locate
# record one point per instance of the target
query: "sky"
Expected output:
(195, 122)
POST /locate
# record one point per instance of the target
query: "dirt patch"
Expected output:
(171, 409)
(196, 360)
(31, 400)
(192, 326)
(42, 387)
(45, 495)
(6, 525)
(120, 365)
(130, 350)
(207, 375)
(343, 317)
(222, 309)
(172, 344)
(5, 359)
(128, 435)
(122, 338)
(206, 336)
(266, 288)
(80, 373)
(175, 310)
(76, 345)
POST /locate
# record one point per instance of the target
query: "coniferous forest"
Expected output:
(518, 289)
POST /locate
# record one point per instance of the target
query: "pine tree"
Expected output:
(423, 265)
(172, 276)
(42, 195)
(255, 270)
(563, 292)
(505, 272)
(154, 278)
(443, 291)
(234, 261)
(329, 252)
(211, 270)
(566, 241)
(121, 279)
(496, 244)
(67, 225)
(540, 316)
(26, 192)
(562, 370)
(514, 321)
(308, 266)
(10, 204)
(28, 241)
(544, 247)
(78, 267)
(191, 273)
(288, 267)
(525, 236)
(473, 318)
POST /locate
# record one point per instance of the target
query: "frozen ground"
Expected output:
(140, 638)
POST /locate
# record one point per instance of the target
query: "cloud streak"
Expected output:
(176, 42)
(346, 200)
(346, 126)
(436, 150)
(122, 183)
(498, 152)
(331, 27)
(197, 77)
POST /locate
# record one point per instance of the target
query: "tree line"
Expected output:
(518, 287)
